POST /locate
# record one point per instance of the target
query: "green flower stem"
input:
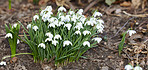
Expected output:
(9, 4)
(14, 55)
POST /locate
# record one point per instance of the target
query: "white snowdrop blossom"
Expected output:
(68, 26)
(138, 68)
(48, 39)
(28, 26)
(48, 8)
(78, 32)
(97, 39)
(128, 67)
(18, 41)
(93, 21)
(54, 42)
(71, 12)
(61, 23)
(57, 37)
(67, 18)
(86, 43)
(42, 45)
(14, 25)
(89, 23)
(51, 25)
(80, 11)
(79, 26)
(45, 17)
(83, 19)
(52, 19)
(8, 35)
(2, 63)
(49, 35)
(100, 21)
(97, 14)
(61, 9)
(66, 43)
(35, 17)
(100, 28)
(131, 32)
(86, 32)
(35, 28)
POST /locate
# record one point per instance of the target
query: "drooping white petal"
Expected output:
(86, 32)
(28, 26)
(68, 26)
(97, 39)
(97, 14)
(78, 32)
(138, 68)
(2, 63)
(51, 25)
(48, 8)
(86, 43)
(42, 45)
(66, 43)
(100, 21)
(14, 25)
(57, 37)
(8, 35)
(35, 17)
(54, 42)
(18, 41)
(80, 11)
(71, 12)
(35, 28)
(61, 9)
(131, 32)
(48, 39)
(49, 35)
(128, 67)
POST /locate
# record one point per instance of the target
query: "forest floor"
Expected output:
(103, 57)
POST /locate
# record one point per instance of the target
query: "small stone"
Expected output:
(105, 68)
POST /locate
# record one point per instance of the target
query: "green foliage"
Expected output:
(109, 2)
(9, 4)
(70, 45)
(12, 35)
(121, 45)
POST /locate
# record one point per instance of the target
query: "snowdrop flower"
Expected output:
(80, 11)
(51, 25)
(83, 19)
(61, 23)
(86, 43)
(67, 18)
(100, 21)
(78, 32)
(57, 37)
(2, 63)
(71, 12)
(42, 12)
(52, 19)
(97, 14)
(42, 45)
(97, 39)
(8, 35)
(66, 43)
(131, 32)
(35, 28)
(89, 23)
(54, 42)
(49, 35)
(73, 18)
(28, 26)
(61, 9)
(86, 32)
(128, 67)
(48, 8)
(68, 26)
(35, 17)
(48, 39)
(79, 26)
(93, 20)
(14, 25)
(138, 68)
(18, 41)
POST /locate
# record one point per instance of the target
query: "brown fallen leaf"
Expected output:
(126, 4)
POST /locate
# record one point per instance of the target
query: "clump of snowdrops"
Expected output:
(63, 36)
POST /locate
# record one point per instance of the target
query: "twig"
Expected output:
(122, 27)
(90, 5)
(141, 15)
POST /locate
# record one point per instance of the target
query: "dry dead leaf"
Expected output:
(144, 3)
(136, 3)
(60, 2)
(126, 4)
(43, 2)
(14, 59)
